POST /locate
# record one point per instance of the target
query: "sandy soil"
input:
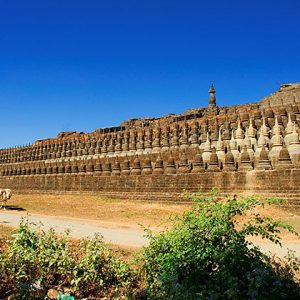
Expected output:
(111, 213)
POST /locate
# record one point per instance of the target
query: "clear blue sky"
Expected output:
(81, 65)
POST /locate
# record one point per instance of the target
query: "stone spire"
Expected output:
(147, 167)
(207, 151)
(148, 141)
(116, 170)
(220, 148)
(288, 130)
(276, 128)
(98, 167)
(247, 143)
(118, 147)
(125, 167)
(171, 166)
(213, 165)
(294, 146)
(175, 137)
(136, 168)
(212, 97)
(90, 166)
(260, 143)
(183, 166)
(276, 142)
(74, 168)
(106, 168)
(215, 132)
(141, 143)
(239, 135)
(265, 129)
(284, 159)
(184, 141)
(229, 163)
(197, 164)
(263, 162)
(195, 134)
(157, 140)
(125, 145)
(226, 130)
(166, 139)
(245, 162)
(233, 146)
(204, 133)
(159, 166)
(252, 134)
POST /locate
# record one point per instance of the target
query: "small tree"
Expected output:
(206, 255)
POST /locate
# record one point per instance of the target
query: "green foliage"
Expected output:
(97, 269)
(36, 260)
(206, 254)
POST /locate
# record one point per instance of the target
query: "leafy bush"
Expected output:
(206, 255)
(35, 261)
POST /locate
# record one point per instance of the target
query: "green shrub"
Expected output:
(35, 261)
(205, 255)
(96, 269)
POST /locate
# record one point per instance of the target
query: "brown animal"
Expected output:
(6, 195)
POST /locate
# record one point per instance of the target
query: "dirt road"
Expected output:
(125, 236)
(79, 228)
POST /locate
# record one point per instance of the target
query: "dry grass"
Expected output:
(112, 213)
(277, 213)
(123, 252)
(5, 231)
(119, 213)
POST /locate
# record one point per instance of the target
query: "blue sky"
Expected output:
(82, 65)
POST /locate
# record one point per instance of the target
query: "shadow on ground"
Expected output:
(15, 208)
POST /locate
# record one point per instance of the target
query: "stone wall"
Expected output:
(288, 94)
(284, 183)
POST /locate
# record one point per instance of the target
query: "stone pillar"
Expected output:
(212, 97)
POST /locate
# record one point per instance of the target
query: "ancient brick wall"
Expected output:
(284, 183)
(288, 94)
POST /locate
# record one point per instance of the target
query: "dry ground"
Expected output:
(119, 213)
(112, 213)
(5, 231)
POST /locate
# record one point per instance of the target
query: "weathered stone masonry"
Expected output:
(251, 148)
(163, 187)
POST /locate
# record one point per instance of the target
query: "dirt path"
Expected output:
(117, 235)
(79, 228)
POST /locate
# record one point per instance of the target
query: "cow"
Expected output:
(6, 195)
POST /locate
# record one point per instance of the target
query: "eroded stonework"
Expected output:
(288, 94)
